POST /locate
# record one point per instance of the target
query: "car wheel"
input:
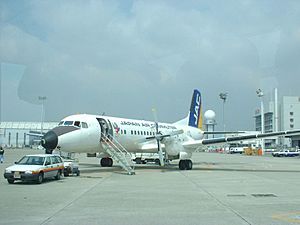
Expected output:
(57, 177)
(40, 178)
(66, 173)
(78, 173)
(157, 162)
(10, 181)
(138, 160)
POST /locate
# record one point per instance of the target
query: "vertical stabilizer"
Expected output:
(195, 115)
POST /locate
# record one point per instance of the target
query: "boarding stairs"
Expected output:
(118, 153)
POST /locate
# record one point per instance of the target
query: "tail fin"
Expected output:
(195, 115)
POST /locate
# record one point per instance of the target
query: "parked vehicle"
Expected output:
(71, 167)
(233, 150)
(35, 168)
(286, 153)
(143, 158)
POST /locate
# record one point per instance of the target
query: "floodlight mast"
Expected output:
(223, 96)
(260, 94)
(43, 99)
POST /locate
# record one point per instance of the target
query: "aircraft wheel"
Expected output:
(109, 162)
(103, 162)
(106, 162)
(189, 164)
(182, 164)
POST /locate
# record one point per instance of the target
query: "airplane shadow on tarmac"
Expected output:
(94, 168)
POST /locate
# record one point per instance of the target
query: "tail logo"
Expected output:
(197, 107)
(195, 117)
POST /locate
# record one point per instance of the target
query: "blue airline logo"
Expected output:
(195, 119)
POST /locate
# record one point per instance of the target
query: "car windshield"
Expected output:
(32, 160)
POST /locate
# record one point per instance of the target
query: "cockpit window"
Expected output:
(77, 123)
(60, 123)
(84, 125)
(68, 123)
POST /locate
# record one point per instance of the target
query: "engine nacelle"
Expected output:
(195, 133)
(185, 155)
(173, 148)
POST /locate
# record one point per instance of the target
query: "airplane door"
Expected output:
(106, 129)
(110, 130)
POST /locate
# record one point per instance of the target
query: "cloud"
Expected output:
(125, 57)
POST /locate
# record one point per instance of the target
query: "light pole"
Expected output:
(223, 96)
(43, 99)
(260, 94)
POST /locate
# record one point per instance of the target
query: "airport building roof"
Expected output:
(27, 125)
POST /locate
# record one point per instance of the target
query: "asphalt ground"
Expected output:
(221, 189)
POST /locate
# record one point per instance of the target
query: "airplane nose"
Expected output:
(50, 140)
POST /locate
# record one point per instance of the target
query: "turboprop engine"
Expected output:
(173, 148)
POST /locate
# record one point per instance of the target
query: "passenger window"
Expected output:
(124, 131)
(68, 123)
(54, 160)
(77, 123)
(131, 132)
(48, 161)
(58, 159)
(84, 125)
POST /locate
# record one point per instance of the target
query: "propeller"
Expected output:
(158, 137)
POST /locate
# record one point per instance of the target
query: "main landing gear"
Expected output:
(185, 164)
(106, 162)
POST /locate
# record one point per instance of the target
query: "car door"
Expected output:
(55, 164)
(48, 172)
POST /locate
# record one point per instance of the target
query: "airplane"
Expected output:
(99, 134)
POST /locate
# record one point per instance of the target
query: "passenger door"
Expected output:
(48, 167)
(55, 164)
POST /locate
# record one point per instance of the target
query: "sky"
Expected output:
(124, 57)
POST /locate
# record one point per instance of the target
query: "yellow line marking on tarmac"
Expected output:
(287, 217)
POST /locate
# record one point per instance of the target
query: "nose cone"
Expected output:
(50, 140)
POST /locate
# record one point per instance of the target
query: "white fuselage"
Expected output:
(131, 134)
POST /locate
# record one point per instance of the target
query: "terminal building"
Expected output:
(22, 134)
(288, 118)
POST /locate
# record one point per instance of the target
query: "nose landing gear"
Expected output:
(106, 162)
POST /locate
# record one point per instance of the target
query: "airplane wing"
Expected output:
(150, 147)
(224, 132)
(212, 141)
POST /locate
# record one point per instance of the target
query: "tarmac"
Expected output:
(222, 189)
